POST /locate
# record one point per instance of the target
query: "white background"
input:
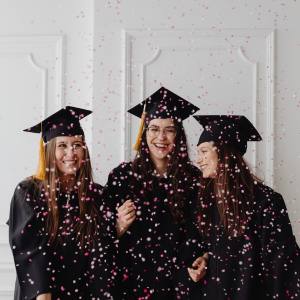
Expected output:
(225, 56)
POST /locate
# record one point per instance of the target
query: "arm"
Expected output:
(28, 246)
(192, 255)
(280, 253)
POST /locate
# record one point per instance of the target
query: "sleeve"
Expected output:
(28, 247)
(191, 248)
(280, 256)
(103, 258)
(117, 190)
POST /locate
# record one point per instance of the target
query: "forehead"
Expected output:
(206, 145)
(162, 122)
(69, 139)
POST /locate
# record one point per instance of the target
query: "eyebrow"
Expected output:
(65, 142)
(169, 126)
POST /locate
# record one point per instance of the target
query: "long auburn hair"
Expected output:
(86, 228)
(231, 191)
(179, 169)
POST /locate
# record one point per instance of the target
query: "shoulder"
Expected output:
(193, 178)
(123, 167)
(95, 189)
(268, 199)
(23, 201)
(27, 186)
(265, 192)
(122, 171)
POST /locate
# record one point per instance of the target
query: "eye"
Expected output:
(170, 130)
(77, 146)
(61, 146)
(153, 129)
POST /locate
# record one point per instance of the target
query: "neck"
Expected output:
(160, 165)
(67, 182)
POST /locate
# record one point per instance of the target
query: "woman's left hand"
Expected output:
(199, 266)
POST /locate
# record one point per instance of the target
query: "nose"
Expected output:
(161, 134)
(199, 158)
(70, 151)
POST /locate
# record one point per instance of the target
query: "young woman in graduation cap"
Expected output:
(244, 223)
(59, 230)
(154, 198)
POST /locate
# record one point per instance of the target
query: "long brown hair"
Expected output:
(86, 229)
(180, 170)
(231, 191)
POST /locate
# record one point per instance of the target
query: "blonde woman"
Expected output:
(59, 231)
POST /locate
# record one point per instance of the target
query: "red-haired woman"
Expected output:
(59, 230)
(244, 223)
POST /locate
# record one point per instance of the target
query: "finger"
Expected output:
(129, 216)
(129, 203)
(194, 276)
(206, 256)
(197, 262)
(124, 204)
(125, 208)
(127, 211)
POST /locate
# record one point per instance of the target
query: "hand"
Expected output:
(126, 215)
(44, 297)
(199, 266)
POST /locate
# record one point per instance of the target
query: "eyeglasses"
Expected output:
(154, 131)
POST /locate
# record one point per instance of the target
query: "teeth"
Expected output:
(69, 162)
(160, 145)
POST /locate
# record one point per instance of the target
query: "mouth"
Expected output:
(202, 167)
(69, 162)
(161, 147)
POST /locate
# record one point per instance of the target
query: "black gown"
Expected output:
(155, 251)
(262, 264)
(63, 269)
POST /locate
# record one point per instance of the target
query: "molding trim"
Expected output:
(266, 35)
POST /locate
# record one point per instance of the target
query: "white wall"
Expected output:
(45, 62)
(225, 56)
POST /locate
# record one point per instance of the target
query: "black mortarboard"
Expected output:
(164, 104)
(64, 122)
(232, 130)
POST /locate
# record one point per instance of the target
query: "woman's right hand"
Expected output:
(126, 216)
(44, 297)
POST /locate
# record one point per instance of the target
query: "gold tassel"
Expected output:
(138, 142)
(41, 171)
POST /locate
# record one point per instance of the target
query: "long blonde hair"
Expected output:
(85, 229)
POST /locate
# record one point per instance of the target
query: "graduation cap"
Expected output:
(232, 130)
(162, 104)
(64, 122)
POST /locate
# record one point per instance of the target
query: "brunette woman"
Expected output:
(155, 196)
(59, 230)
(243, 222)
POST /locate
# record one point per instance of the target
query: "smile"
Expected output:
(69, 162)
(161, 146)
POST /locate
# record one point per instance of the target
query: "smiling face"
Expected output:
(69, 154)
(207, 159)
(160, 137)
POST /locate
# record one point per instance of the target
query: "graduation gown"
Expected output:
(62, 269)
(155, 251)
(262, 264)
